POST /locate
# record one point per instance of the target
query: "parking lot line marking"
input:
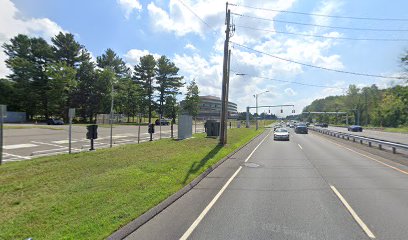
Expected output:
(17, 146)
(353, 213)
(17, 156)
(120, 136)
(63, 141)
(300, 146)
(49, 144)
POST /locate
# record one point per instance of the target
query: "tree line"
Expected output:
(48, 79)
(366, 106)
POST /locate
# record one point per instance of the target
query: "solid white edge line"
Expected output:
(250, 155)
(300, 146)
(209, 206)
(353, 213)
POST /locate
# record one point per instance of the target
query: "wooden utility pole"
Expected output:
(225, 80)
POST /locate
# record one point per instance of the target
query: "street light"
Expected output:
(256, 97)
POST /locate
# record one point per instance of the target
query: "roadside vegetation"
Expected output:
(370, 106)
(31, 126)
(90, 195)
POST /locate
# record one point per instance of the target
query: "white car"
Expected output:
(281, 134)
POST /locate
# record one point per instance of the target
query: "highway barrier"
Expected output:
(381, 144)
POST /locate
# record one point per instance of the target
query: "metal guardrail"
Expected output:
(370, 141)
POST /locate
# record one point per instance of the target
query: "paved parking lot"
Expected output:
(35, 141)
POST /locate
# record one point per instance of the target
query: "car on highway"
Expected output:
(355, 128)
(323, 125)
(281, 134)
(301, 129)
(53, 121)
(276, 127)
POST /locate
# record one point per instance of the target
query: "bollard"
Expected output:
(379, 146)
(361, 141)
(394, 150)
(369, 144)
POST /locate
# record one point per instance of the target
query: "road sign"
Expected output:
(3, 111)
(71, 113)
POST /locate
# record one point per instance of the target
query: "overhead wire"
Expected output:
(324, 26)
(292, 82)
(321, 15)
(314, 66)
(328, 37)
(195, 14)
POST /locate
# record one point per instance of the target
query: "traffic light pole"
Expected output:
(247, 113)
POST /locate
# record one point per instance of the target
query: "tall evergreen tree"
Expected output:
(111, 60)
(85, 96)
(21, 63)
(66, 49)
(144, 74)
(168, 81)
(192, 99)
(61, 84)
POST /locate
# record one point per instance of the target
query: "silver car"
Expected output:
(281, 134)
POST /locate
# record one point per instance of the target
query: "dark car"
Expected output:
(53, 121)
(301, 129)
(355, 128)
(163, 122)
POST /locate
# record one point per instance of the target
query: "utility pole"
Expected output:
(111, 118)
(256, 121)
(225, 80)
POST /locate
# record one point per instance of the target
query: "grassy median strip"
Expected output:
(90, 195)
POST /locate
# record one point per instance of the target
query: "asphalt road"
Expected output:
(291, 190)
(28, 143)
(389, 136)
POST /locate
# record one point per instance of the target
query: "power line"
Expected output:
(202, 20)
(313, 66)
(329, 37)
(324, 26)
(278, 80)
(321, 15)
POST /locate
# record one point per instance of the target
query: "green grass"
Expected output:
(29, 127)
(399, 129)
(90, 195)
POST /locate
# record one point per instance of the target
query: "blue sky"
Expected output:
(134, 28)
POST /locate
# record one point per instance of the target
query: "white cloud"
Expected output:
(129, 6)
(181, 21)
(190, 47)
(11, 24)
(290, 92)
(133, 56)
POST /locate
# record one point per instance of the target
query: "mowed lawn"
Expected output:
(90, 195)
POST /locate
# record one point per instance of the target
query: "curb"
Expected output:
(144, 218)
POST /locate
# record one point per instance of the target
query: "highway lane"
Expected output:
(389, 136)
(287, 193)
